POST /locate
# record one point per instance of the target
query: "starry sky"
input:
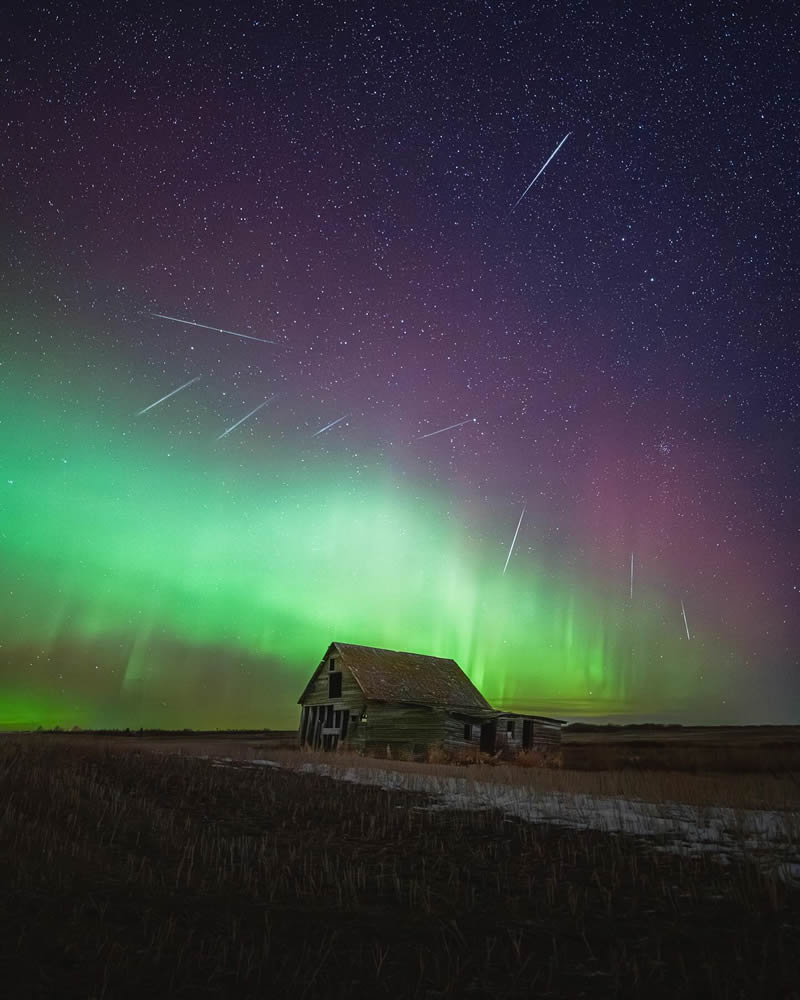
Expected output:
(340, 184)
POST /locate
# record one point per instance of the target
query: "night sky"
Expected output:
(620, 351)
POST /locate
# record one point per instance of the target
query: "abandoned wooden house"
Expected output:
(370, 700)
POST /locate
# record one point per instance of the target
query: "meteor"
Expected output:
(631, 576)
(541, 171)
(441, 430)
(327, 427)
(683, 612)
(514, 539)
(180, 387)
(217, 329)
(245, 417)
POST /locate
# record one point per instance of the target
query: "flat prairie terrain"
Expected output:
(134, 867)
(757, 765)
(726, 736)
(732, 749)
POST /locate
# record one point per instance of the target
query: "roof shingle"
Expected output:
(394, 676)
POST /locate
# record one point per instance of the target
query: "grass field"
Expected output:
(699, 749)
(128, 872)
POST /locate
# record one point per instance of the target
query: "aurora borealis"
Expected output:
(624, 344)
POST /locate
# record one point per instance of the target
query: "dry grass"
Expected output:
(696, 758)
(126, 872)
(759, 770)
(747, 790)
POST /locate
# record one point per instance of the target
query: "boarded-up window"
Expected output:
(467, 731)
(510, 727)
(335, 686)
(332, 663)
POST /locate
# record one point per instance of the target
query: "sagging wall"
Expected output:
(455, 734)
(328, 721)
(515, 733)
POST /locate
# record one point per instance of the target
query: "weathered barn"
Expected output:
(367, 699)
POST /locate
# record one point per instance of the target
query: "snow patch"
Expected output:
(770, 837)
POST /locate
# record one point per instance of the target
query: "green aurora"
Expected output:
(155, 582)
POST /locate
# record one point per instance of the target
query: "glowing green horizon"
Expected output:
(113, 541)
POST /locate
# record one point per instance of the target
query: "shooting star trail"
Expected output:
(514, 539)
(245, 417)
(180, 387)
(631, 576)
(683, 612)
(217, 329)
(541, 171)
(333, 423)
(469, 420)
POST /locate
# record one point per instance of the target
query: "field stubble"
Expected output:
(126, 871)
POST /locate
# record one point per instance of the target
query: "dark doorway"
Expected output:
(527, 734)
(488, 736)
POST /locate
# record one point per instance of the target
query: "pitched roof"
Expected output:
(499, 713)
(394, 676)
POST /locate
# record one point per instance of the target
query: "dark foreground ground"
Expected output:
(125, 874)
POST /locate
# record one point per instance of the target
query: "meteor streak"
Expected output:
(217, 329)
(631, 576)
(180, 387)
(683, 612)
(245, 417)
(514, 539)
(541, 171)
(441, 430)
(333, 423)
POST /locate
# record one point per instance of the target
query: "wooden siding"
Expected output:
(544, 732)
(327, 722)
(454, 739)
(404, 729)
(548, 733)
(318, 691)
